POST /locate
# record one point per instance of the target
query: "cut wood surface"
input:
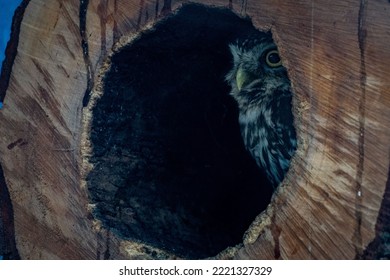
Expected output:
(334, 203)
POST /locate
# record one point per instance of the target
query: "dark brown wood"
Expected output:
(332, 204)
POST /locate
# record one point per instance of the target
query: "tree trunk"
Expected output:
(334, 202)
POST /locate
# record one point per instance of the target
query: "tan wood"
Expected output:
(338, 57)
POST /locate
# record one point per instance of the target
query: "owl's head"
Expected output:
(257, 73)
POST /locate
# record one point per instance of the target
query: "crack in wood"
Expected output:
(231, 4)
(362, 34)
(167, 8)
(115, 28)
(102, 11)
(14, 144)
(141, 9)
(156, 9)
(276, 231)
(84, 44)
(244, 5)
(103, 244)
(107, 251)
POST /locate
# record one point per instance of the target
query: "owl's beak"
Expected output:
(242, 78)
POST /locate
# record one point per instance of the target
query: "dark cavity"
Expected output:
(170, 169)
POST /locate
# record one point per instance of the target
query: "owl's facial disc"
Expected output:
(268, 60)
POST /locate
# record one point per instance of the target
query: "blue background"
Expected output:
(7, 9)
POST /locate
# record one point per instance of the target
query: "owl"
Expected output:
(261, 87)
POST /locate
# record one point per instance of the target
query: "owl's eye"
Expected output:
(272, 58)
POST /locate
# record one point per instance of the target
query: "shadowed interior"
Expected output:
(170, 168)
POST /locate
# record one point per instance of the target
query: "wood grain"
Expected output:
(337, 55)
